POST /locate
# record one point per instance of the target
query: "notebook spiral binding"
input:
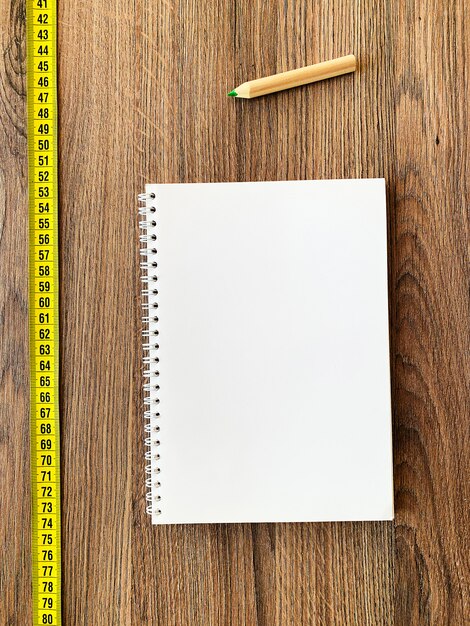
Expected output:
(149, 278)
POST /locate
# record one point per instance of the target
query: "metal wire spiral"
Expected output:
(150, 332)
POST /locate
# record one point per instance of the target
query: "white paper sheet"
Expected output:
(273, 352)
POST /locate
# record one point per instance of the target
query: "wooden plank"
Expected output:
(286, 574)
(99, 305)
(15, 507)
(429, 248)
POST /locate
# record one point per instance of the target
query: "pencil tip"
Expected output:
(232, 94)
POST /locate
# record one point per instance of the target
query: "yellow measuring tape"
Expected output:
(41, 22)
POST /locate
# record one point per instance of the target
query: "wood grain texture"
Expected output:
(142, 99)
(15, 576)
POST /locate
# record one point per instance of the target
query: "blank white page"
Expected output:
(274, 382)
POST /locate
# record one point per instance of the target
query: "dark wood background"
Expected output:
(142, 99)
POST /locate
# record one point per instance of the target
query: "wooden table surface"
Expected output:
(143, 98)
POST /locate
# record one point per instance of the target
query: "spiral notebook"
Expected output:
(266, 354)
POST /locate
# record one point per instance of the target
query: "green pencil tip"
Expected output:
(233, 94)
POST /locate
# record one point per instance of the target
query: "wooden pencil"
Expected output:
(295, 78)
